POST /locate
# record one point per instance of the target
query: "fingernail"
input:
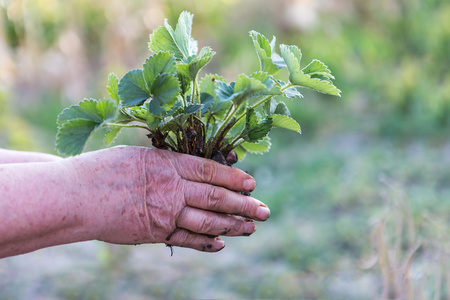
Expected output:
(219, 244)
(249, 184)
(263, 213)
(249, 228)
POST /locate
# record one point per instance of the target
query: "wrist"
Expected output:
(67, 205)
(82, 194)
(111, 186)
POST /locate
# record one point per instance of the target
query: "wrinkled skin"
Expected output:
(161, 196)
(127, 195)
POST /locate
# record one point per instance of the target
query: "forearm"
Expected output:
(13, 156)
(124, 195)
(38, 208)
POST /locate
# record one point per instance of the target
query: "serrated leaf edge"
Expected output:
(319, 81)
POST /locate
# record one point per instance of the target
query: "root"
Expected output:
(171, 249)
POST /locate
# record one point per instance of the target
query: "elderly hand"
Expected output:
(140, 195)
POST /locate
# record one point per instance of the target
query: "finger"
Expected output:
(210, 223)
(199, 169)
(185, 238)
(217, 199)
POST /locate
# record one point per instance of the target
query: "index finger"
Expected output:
(204, 170)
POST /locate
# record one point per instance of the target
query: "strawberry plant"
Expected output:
(203, 116)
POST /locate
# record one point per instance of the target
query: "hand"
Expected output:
(139, 195)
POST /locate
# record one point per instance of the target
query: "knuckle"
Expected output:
(182, 238)
(246, 207)
(206, 225)
(215, 197)
(206, 171)
(238, 224)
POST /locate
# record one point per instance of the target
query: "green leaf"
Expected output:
(72, 136)
(160, 63)
(272, 88)
(157, 108)
(152, 121)
(139, 112)
(183, 32)
(305, 80)
(276, 58)
(178, 42)
(251, 118)
(258, 148)
(165, 90)
(86, 110)
(317, 69)
(208, 94)
(248, 85)
(209, 84)
(225, 91)
(162, 40)
(315, 76)
(292, 93)
(274, 107)
(174, 124)
(132, 88)
(113, 87)
(213, 105)
(91, 110)
(264, 52)
(282, 109)
(237, 129)
(106, 109)
(283, 121)
(207, 101)
(192, 108)
(255, 130)
(77, 122)
(193, 67)
(175, 110)
(185, 84)
(245, 88)
(263, 77)
(292, 56)
(111, 134)
(269, 107)
(258, 132)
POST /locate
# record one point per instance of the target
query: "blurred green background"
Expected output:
(360, 201)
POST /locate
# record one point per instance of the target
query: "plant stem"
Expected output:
(194, 89)
(228, 117)
(219, 132)
(238, 143)
(198, 90)
(172, 144)
(235, 143)
(199, 113)
(184, 100)
(208, 122)
(288, 85)
(127, 125)
(261, 102)
(229, 122)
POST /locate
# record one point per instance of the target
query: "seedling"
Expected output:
(206, 117)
